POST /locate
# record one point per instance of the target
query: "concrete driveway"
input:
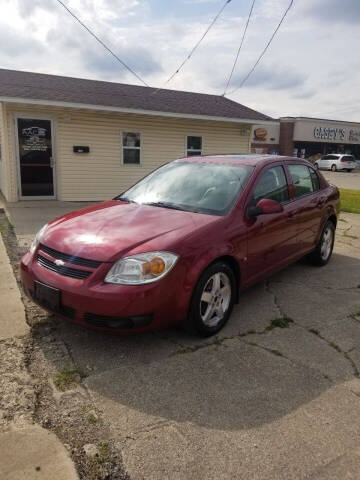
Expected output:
(255, 402)
(27, 217)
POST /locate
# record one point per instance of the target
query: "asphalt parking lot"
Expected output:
(257, 401)
(349, 180)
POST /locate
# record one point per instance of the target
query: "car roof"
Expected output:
(339, 154)
(246, 159)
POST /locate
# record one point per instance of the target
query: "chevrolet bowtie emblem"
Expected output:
(59, 263)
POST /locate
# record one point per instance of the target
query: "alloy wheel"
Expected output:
(326, 243)
(215, 299)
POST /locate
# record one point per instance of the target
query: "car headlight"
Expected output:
(142, 268)
(37, 239)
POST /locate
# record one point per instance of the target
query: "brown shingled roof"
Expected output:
(53, 88)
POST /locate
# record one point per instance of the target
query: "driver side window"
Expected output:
(272, 185)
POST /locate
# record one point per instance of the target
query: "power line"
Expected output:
(195, 46)
(240, 47)
(102, 43)
(264, 51)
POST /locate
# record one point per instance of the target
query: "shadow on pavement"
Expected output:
(235, 382)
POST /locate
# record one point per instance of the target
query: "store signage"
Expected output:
(260, 134)
(354, 136)
(34, 139)
(329, 133)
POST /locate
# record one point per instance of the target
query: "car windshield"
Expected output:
(200, 187)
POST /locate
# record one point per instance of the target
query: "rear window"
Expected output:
(348, 158)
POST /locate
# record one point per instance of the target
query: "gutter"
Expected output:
(85, 106)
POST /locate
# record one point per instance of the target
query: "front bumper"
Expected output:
(113, 308)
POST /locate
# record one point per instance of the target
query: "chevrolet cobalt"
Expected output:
(181, 245)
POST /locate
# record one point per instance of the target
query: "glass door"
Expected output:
(35, 158)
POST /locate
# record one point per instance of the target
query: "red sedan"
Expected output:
(180, 245)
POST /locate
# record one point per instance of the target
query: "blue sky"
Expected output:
(312, 68)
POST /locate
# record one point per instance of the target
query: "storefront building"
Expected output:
(74, 139)
(306, 137)
(312, 137)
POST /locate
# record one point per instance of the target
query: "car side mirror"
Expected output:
(264, 206)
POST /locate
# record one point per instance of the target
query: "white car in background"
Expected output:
(335, 162)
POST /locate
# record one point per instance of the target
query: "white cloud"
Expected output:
(311, 68)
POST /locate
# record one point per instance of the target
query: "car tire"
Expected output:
(316, 166)
(333, 168)
(349, 170)
(323, 251)
(212, 301)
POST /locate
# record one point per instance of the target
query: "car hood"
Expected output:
(111, 229)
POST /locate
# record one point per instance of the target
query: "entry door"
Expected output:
(35, 158)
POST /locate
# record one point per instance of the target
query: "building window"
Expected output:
(131, 148)
(193, 146)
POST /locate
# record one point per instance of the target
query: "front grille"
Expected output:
(84, 262)
(125, 323)
(63, 270)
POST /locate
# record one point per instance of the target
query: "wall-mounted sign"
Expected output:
(260, 134)
(268, 134)
(354, 136)
(341, 134)
(328, 133)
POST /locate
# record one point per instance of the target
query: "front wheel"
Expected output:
(333, 168)
(213, 300)
(323, 251)
(316, 166)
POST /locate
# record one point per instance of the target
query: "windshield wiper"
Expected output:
(125, 199)
(164, 205)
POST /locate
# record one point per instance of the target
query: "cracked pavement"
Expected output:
(256, 401)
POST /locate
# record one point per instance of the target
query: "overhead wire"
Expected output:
(193, 50)
(240, 47)
(264, 50)
(124, 64)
